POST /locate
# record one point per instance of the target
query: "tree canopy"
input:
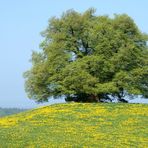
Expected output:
(89, 58)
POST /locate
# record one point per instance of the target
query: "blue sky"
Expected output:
(20, 25)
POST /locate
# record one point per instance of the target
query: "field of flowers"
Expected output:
(77, 125)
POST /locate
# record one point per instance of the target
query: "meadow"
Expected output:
(77, 125)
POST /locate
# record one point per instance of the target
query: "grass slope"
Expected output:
(77, 125)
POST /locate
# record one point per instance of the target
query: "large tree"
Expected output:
(89, 58)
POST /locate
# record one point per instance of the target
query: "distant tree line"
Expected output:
(9, 111)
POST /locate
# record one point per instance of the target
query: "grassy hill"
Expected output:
(77, 125)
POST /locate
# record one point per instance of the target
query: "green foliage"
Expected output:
(97, 57)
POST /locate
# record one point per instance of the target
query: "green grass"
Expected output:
(77, 125)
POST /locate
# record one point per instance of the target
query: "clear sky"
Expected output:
(20, 25)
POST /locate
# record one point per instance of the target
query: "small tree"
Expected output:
(89, 58)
